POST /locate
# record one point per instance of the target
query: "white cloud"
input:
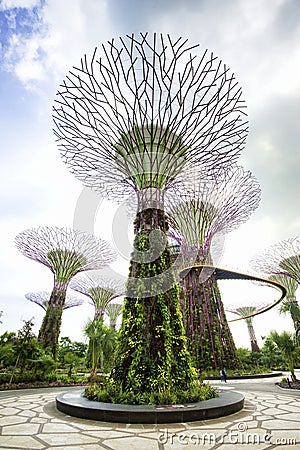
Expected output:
(9, 4)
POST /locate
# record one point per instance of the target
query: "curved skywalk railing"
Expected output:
(225, 274)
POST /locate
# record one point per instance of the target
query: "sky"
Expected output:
(41, 40)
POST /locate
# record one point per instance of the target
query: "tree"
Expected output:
(288, 348)
(71, 353)
(102, 344)
(206, 207)
(65, 252)
(246, 313)
(130, 120)
(100, 290)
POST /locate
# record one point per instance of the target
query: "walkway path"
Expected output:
(270, 420)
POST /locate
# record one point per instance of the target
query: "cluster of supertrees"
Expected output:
(162, 121)
(66, 253)
(281, 263)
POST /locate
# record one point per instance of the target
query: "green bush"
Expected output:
(110, 393)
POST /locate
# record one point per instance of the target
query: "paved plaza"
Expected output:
(270, 420)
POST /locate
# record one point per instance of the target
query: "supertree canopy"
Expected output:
(65, 252)
(99, 289)
(129, 119)
(289, 304)
(213, 204)
(245, 312)
(142, 108)
(42, 299)
(289, 283)
(209, 204)
(113, 310)
(282, 258)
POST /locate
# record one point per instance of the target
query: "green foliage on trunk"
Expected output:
(152, 352)
(50, 328)
(209, 338)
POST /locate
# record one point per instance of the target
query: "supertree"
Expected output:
(289, 304)
(128, 120)
(283, 260)
(113, 310)
(100, 290)
(246, 313)
(65, 252)
(42, 299)
(212, 205)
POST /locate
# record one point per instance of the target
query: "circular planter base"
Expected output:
(74, 404)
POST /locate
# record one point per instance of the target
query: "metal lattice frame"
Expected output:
(141, 108)
(282, 258)
(99, 289)
(64, 251)
(42, 299)
(210, 204)
(289, 283)
(113, 310)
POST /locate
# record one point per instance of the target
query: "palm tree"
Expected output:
(102, 342)
(288, 348)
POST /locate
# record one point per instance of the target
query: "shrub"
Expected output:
(110, 393)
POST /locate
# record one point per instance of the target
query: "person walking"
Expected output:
(223, 375)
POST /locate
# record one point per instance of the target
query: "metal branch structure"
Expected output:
(128, 120)
(42, 299)
(142, 108)
(208, 205)
(289, 283)
(99, 289)
(289, 304)
(65, 252)
(245, 312)
(113, 310)
(282, 258)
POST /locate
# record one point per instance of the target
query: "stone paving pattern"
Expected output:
(29, 420)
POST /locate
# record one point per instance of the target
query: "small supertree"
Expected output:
(128, 120)
(99, 289)
(212, 205)
(42, 299)
(282, 258)
(113, 310)
(65, 252)
(289, 304)
(246, 313)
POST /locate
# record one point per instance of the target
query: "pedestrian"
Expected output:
(223, 375)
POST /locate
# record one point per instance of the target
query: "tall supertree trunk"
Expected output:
(50, 328)
(209, 337)
(253, 340)
(152, 350)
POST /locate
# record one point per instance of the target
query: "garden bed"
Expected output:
(291, 385)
